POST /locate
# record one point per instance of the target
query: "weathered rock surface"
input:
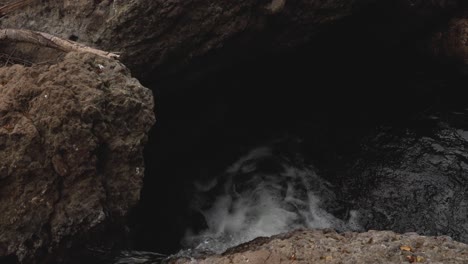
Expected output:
(327, 246)
(452, 42)
(71, 141)
(170, 33)
(415, 180)
(163, 36)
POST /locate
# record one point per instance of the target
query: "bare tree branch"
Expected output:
(48, 40)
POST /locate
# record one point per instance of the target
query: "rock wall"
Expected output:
(160, 37)
(71, 141)
(415, 180)
(452, 41)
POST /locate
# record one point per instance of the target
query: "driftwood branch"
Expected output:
(48, 40)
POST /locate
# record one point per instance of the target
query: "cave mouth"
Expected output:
(330, 93)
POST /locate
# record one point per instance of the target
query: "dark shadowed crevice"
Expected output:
(332, 93)
(9, 260)
(365, 72)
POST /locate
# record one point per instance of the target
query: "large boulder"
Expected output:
(71, 139)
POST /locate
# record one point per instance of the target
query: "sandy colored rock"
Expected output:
(327, 246)
(71, 141)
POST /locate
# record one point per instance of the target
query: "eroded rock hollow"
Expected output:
(272, 116)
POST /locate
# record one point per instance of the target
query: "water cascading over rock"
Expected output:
(263, 194)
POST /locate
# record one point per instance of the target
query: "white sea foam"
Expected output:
(252, 200)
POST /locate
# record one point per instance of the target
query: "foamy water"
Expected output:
(263, 194)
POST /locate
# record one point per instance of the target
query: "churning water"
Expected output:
(263, 194)
(275, 189)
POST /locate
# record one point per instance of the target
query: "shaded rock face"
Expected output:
(71, 142)
(327, 246)
(414, 181)
(452, 42)
(161, 37)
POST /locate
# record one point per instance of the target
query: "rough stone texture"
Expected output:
(162, 36)
(327, 246)
(452, 42)
(169, 33)
(71, 141)
(410, 180)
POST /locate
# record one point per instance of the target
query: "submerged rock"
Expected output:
(328, 246)
(71, 162)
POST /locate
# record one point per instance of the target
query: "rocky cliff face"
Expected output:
(71, 141)
(72, 128)
(161, 37)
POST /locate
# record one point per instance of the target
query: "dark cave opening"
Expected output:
(331, 92)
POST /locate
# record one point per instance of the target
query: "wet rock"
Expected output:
(327, 246)
(71, 162)
(406, 181)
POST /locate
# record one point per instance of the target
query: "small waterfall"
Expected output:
(263, 194)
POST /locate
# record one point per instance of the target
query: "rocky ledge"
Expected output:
(328, 246)
(71, 163)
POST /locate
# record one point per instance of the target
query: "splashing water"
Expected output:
(263, 194)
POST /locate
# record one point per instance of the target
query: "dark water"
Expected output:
(265, 192)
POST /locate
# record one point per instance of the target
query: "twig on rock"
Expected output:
(50, 41)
